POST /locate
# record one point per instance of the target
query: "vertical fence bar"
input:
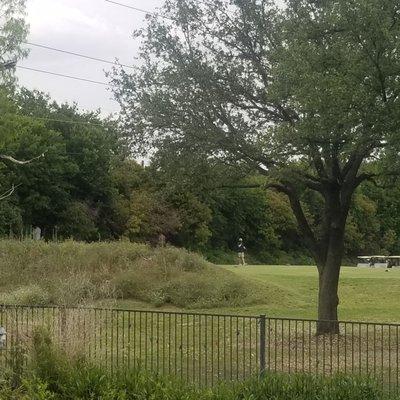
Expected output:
(262, 320)
(397, 360)
(181, 347)
(251, 346)
(218, 349)
(237, 348)
(187, 348)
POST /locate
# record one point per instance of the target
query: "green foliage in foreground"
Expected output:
(73, 273)
(91, 383)
(53, 375)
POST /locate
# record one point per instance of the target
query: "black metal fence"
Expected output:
(207, 348)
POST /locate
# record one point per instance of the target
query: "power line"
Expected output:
(63, 75)
(76, 54)
(65, 121)
(137, 9)
(131, 7)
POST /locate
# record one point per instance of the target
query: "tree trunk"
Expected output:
(328, 299)
(328, 249)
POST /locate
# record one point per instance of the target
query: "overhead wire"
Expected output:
(131, 7)
(84, 55)
(65, 121)
(137, 9)
(77, 54)
(63, 75)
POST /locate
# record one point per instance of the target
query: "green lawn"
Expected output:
(365, 294)
(291, 291)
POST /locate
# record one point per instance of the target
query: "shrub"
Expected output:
(26, 295)
(183, 279)
(221, 256)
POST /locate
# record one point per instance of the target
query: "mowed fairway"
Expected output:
(291, 291)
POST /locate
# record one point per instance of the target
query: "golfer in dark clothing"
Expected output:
(241, 250)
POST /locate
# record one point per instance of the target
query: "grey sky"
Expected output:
(92, 27)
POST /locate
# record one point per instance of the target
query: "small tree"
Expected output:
(13, 31)
(306, 95)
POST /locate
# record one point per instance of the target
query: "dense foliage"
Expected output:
(87, 187)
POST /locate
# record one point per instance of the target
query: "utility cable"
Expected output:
(77, 54)
(63, 75)
(137, 9)
(45, 119)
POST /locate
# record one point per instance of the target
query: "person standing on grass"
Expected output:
(241, 250)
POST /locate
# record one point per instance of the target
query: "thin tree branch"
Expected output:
(255, 186)
(8, 193)
(304, 225)
(20, 162)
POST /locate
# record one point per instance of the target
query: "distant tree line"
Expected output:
(88, 187)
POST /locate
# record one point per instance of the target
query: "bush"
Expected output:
(183, 279)
(26, 295)
(221, 256)
(228, 257)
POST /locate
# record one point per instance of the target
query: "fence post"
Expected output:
(63, 326)
(262, 344)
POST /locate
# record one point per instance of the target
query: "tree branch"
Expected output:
(370, 177)
(8, 193)
(20, 162)
(301, 218)
(318, 163)
(255, 186)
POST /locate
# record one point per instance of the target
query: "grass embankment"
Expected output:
(73, 273)
(52, 374)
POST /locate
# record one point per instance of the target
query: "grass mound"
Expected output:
(73, 273)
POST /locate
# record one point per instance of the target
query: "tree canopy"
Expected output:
(306, 95)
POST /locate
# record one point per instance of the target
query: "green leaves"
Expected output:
(13, 31)
(72, 183)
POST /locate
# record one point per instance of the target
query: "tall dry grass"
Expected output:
(73, 273)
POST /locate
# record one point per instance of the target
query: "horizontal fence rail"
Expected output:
(207, 348)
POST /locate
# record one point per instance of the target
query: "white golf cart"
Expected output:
(373, 261)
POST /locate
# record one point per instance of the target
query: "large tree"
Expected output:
(306, 94)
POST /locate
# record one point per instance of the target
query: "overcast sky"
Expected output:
(91, 27)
